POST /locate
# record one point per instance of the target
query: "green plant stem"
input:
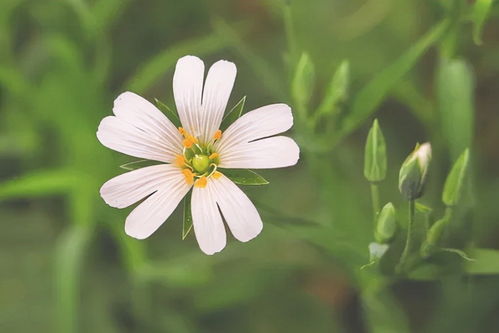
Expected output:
(375, 200)
(408, 241)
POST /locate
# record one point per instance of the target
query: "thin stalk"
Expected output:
(375, 200)
(408, 241)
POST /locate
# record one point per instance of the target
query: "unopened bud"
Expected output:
(455, 181)
(412, 176)
(433, 237)
(375, 155)
(386, 224)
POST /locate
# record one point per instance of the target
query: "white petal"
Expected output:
(187, 90)
(260, 123)
(119, 135)
(142, 114)
(128, 188)
(216, 93)
(206, 219)
(237, 209)
(147, 217)
(274, 152)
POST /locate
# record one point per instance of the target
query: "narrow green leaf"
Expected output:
(187, 222)
(453, 187)
(336, 91)
(480, 13)
(244, 176)
(455, 84)
(302, 84)
(486, 261)
(169, 113)
(458, 252)
(375, 154)
(40, 183)
(370, 97)
(233, 114)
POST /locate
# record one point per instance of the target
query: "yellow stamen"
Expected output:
(189, 141)
(182, 130)
(201, 182)
(213, 156)
(180, 161)
(217, 175)
(217, 135)
(189, 176)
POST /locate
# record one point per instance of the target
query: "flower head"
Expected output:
(194, 155)
(412, 175)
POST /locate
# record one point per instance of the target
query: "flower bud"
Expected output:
(412, 176)
(375, 155)
(454, 183)
(386, 225)
(433, 236)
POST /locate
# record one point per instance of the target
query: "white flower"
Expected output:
(192, 155)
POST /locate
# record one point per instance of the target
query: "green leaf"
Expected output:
(137, 164)
(40, 183)
(233, 114)
(169, 113)
(336, 91)
(370, 97)
(480, 13)
(244, 176)
(455, 86)
(375, 155)
(454, 183)
(302, 85)
(486, 261)
(187, 222)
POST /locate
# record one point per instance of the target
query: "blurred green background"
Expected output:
(425, 69)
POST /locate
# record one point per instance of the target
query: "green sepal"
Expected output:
(244, 176)
(386, 225)
(138, 164)
(336, 91)
(453, 187)
(433, 236)
(302, 84)
(233, 114)
(187, 221)
(169, 113)
(375, 154)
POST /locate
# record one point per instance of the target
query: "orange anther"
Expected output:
(201, 182)
(217, 135)
(180, 161)
(189, 176)
(217, 175)
(187, 142)
(213, 156)
(182, 130)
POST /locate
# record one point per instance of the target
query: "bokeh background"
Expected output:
(423, 68)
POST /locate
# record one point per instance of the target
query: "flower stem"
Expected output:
(375, 200)
(408, 241)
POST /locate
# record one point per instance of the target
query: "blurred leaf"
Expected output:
(455, 85)
(302, 85)
(169, 113)
(233, 114)
(40, 183)
(454, 183)
(336, 91)
(370, 97)
(375, 159)
(187, 221)
(486, 261)
(480, 12)
(244, 176)
(155, 68)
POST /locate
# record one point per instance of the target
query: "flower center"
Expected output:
(198, 161)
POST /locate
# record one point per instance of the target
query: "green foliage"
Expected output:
(455, 181)
(172, 115)
(244, 176)
(375, 159)
(187, 220)
(480, 13)
(386, 225)
(336, 91)
(302, 84)
(233, 114)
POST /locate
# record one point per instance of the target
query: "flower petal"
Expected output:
(207, 221)
(187, 90)
(274, 152)
(260, 123)
(216, 93)
(128, 188)
(237, 209)
(147, 217)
